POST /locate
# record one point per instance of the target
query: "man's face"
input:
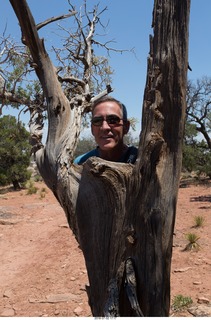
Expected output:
(109, 136)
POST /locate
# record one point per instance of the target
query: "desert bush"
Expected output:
(37, 178)
(43, 192)
(14, 152)
(181, 302)
(31, 188)
(199, 221)
(192, 241)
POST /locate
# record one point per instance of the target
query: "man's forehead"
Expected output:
(107, 107)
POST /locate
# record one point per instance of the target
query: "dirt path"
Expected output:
(42, 270)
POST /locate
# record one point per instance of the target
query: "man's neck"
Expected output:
(114, 154)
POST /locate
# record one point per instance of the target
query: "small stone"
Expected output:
(182, 269)
(196, 283)
(7, 294)
(72, 278)
(63, 226)
(8, 312)
(56, 312)
(84, 271)
(203, 300)
(62, 297)
(200, 311)
(78, 311)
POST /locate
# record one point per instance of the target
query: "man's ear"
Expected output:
(126, 126)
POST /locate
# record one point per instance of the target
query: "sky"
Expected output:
(130, 27)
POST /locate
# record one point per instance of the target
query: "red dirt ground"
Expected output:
(42, 270)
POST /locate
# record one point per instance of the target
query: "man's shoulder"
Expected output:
(131, 154)
(82, 158)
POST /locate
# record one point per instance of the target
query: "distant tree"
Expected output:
(197, 159)
(197, 139)
(82, 72)
(199, 107)
(84, 145)
(131, 140)
(14, 152)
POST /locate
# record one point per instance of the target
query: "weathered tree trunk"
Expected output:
(122, 215)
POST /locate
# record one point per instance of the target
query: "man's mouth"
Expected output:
(107, 137)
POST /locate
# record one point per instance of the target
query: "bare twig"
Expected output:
(53, 19)
(103, 93)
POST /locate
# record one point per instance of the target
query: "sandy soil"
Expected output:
(42, 270)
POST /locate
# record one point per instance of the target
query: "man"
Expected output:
(109, 124)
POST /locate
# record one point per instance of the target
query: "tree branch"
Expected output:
(72, 80)
(103, 93)
(53, 19)
(13, 98)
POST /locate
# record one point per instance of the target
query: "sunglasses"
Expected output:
(112, 120)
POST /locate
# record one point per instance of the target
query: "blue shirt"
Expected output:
(128, 157)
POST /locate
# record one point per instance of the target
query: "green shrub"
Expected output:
(37, 178)
(14, 152)
(192, 244)
(181, 302)
(31, 188)
(199, 221)
(43, 192)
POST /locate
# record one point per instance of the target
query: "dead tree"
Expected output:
(122, 215)
(199, 107)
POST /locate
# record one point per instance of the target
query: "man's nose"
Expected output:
(105, 125)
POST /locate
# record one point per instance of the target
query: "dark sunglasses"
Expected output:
(112, 120)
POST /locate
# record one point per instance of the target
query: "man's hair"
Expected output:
(109, 98)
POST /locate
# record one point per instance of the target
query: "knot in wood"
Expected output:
(131, 238)
(98, 169)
